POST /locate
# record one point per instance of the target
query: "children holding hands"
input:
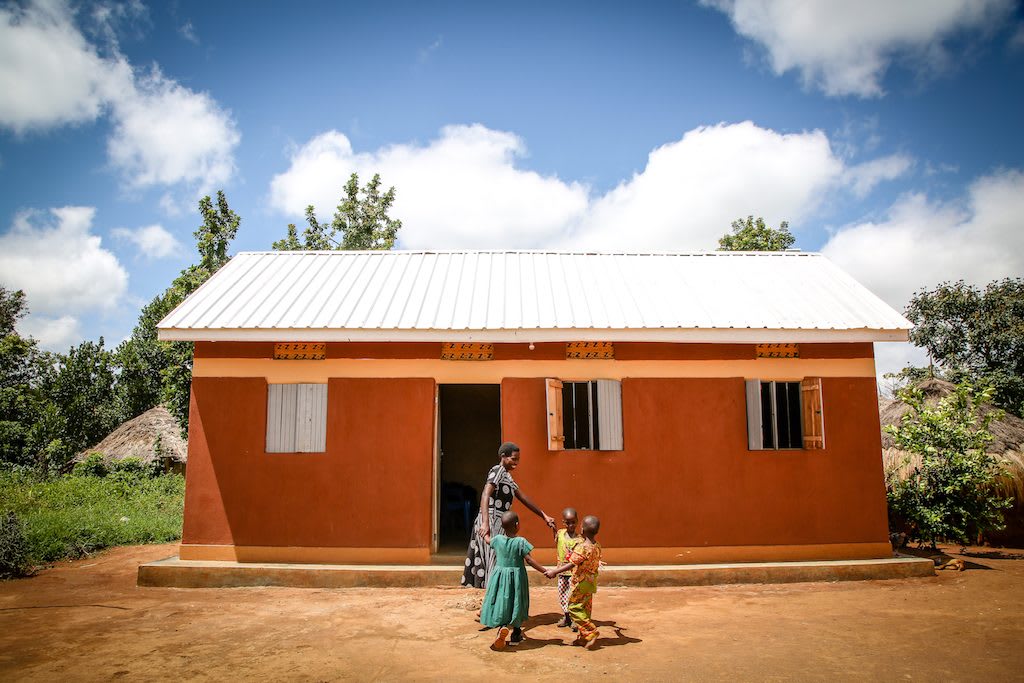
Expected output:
(507, 600)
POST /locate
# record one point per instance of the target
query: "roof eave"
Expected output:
(687, 335)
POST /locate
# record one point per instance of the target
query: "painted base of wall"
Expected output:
(632, 556)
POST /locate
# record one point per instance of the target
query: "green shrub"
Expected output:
(92, 466)
(950, 493)
(70, 516)
(13, 546)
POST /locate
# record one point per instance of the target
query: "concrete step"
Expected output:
(176, 573)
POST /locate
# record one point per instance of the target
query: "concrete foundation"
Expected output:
(176, 573)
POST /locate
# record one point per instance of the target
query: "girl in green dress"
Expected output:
(507, 600)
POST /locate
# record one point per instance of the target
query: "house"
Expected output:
(709, 407)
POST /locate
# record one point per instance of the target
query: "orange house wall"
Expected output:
(685, 477)
(371, 488)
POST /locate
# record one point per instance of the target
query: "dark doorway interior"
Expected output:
(470, 426)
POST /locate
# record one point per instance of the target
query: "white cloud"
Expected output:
(863, 177)
(53, 334)
(60, 264)
(460, 190)
(153, 241)
(893, 357)
(188, 32)
(922, 243)
(692, 189)
(464, 189)
(166, 134)
(63, 268)
(845, 48)
(51, 75)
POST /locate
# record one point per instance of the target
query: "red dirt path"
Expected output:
(87, 620)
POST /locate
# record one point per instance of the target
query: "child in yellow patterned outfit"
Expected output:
(584, 561)
(565, 540)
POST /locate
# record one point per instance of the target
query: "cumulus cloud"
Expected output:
(53, 334)
(166, 134)
(692, 189)
(922, 242)
(49, 74)
(845, 48)
(461, 190)
(153, 241)
(63, 268)
(59, 263)
(163, 133)
(465, 190)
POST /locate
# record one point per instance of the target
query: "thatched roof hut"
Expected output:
(1007, 444)
(137, 438)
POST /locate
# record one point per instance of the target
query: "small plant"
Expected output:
(14, 560)
(93, 465)
(949, 492)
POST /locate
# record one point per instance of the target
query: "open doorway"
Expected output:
(470, 433)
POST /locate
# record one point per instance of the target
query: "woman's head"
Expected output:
(509, 455)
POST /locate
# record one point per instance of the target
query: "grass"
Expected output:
(71, 516)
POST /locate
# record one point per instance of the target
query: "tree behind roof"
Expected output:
(752, 234)
(359, 223)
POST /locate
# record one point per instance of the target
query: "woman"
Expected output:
(496, 499)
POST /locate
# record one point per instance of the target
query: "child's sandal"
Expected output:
(499, 642)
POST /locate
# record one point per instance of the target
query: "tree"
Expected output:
(215, 234)
(153, 371)
(360, 223)
(949, 493)
(754, 235)
(975, 335)
(82, 406)
(21, 363)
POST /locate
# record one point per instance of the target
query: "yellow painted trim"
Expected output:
(304, 555)
(492, 372)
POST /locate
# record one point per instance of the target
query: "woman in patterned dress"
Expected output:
(499, 490)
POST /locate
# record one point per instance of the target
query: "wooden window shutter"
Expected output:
(556, 434)
(813, 417)
(754, 432)
(609, 415)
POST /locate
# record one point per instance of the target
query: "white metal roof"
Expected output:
(532, 296)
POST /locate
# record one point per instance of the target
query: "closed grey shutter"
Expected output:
(296, 418)
(281, 418)
(754, 442)
(609, 415)
(311, 418)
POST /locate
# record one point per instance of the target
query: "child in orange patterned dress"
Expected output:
(584, 561)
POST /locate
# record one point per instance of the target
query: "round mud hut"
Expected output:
(1007, 444)
(154, 435)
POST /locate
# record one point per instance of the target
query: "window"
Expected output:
(783, 415)
(296, 418)
(584, 415)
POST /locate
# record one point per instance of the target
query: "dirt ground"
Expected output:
(87, 620)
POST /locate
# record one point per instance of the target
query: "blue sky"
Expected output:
(889, 137)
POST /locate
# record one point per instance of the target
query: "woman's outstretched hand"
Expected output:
(550, 574)
(550, 521)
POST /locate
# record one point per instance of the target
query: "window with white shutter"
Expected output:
(296, 418)
(784, 415)
(584, 415)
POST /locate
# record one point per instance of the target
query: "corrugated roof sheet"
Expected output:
(532, 296)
